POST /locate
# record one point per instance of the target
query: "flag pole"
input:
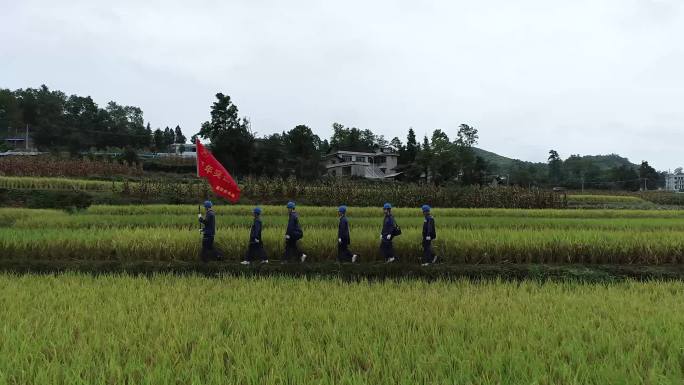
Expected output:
(199, 209)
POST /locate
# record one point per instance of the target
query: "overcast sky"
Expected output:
(581, 76)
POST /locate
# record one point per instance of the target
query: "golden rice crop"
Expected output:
(331, 211)
(78, 329)
(455, 246)
(167, 233)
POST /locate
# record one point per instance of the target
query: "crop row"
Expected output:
(399, 212)
(233, 223)
(363, 193)
(326, 193)
(455, 245)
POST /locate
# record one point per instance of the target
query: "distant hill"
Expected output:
(605, 162)
(499, 162)
(502, 164)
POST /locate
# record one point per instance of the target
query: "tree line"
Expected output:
(299, 152)
(57, 122)
(76, 124)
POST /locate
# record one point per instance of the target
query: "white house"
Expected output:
(380, 164)
(675, 182)
(189, 151)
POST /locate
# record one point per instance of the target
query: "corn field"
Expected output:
(325, 193)
(47, 166)
(363, 193)
(472, 236)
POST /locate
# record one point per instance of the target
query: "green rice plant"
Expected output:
(167, 233)
(399, 212)
(9, 216)
(454, 246)
(67, 329)
(227, 222)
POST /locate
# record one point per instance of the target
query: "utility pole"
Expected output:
(26, 139)
(582, 185)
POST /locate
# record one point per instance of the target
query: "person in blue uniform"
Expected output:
(293, 234)
(343, 238)
(256, 244)
(387, 234)
(209, 252)
(429, 235)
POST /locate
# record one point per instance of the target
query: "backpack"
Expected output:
(396, 231)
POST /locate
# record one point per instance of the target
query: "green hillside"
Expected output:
(502, 164)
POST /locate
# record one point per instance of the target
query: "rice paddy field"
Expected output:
(165, 329)
(465, 236)
(74, 328)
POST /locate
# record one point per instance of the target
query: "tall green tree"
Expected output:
(169, 138)
(83, 120)
(43, 111)
(231, 139)
(303, 152)
(467, 136)
(423, 161)
(555, 167)
(443, 158)
(10, 112)
(625, 178)
(399, 147)
(471, 168)
(352, 139)
(158, 140)
(412, 147)
(148, 142)
(179, 137)
(270, 157)
(649, 175)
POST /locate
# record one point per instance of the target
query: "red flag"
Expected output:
(219, 178)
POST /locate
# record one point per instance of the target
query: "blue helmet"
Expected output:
(426, 208)
(387, 206)
(257, 210)
(342, 209)
(208, 204)
(290, 205)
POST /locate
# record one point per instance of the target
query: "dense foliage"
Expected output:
(75, 123)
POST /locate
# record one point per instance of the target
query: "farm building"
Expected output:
(675, 181)
(380, 164)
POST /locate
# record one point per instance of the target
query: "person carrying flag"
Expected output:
(293, 234)
(256, 245)
(343, 238)
(429, 234)
(389, 227)
(208, 232)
